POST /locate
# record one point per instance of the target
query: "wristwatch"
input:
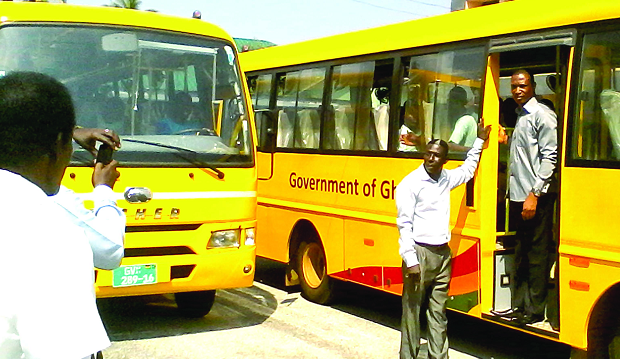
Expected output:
(536, 191)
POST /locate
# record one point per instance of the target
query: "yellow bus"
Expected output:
(172, 89)
(329, 114)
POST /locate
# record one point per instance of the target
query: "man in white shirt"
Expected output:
(47, 303)
(423, 203)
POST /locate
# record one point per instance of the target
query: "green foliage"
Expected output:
(126, 4)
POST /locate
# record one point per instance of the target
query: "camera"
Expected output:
(104, 155)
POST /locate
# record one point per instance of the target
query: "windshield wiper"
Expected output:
(219, 173)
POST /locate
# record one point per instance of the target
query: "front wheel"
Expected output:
(195, 304)
(316, 285)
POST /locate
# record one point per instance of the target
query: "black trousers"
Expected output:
(534, 254)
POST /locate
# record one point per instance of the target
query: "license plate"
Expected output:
(140, 274)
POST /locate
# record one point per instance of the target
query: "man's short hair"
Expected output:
(34, 110)
(458, 95)
(443, 144)
(528, 73)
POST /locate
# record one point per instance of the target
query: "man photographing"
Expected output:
(47, 306)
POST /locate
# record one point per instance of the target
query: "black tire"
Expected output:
(195, 304)
(316, 285)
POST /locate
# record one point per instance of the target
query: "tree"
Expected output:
(126, 4)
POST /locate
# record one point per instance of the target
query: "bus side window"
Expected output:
(299, 98)
(286, 96)
(260, 90)
(596, 123)
(359, 121)
(440, 99)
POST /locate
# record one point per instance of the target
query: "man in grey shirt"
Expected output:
(533, 157)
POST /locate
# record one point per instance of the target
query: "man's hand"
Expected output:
(105, 174)
(409, 139)
(88, 137)
(483, 132)
(502, 137)
(529, 207)
(413, 271)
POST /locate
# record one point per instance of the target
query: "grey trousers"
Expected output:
(432, 288)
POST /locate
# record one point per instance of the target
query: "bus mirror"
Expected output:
(120, 42)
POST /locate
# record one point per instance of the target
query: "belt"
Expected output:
(426, 245)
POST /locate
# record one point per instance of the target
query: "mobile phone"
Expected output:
(104, 155)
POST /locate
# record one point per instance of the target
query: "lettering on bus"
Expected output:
(141, 213)
(375, 188)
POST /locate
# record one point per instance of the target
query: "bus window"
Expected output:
(299, 97)
(596, 126)
(358, 115)
(260, 90)
(154, 89)
(440, 99)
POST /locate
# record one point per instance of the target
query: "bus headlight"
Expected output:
(249, 237)
(224, 239)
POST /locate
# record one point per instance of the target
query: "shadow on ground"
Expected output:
(145, 317)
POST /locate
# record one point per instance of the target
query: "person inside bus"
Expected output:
(180, 116)
(423, 205)
(112, 115)
(48, 307)
(381, 114)
(410, 138)
(532, 192)
(104, 225)
(465, 125)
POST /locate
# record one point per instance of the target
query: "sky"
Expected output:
(287, 21)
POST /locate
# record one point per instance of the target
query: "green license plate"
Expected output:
(140, 274)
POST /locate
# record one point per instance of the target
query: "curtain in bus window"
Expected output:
(309, 98)
(439, 98)
(353, 121)
(286, 103)
(596, 125)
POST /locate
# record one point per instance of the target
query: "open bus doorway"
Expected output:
(547, 60)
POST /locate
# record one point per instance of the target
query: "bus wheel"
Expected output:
(195, 304)
(316, 285)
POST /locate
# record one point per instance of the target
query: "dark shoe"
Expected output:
(526, 319)
(555, 325)
(508, 313)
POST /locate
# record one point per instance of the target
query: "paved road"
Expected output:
(269, 321)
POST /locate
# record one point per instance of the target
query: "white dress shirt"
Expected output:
(47, 302)
(104, 226)
(423, 204)
(533, 150)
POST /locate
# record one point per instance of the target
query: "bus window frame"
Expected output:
(570, 160)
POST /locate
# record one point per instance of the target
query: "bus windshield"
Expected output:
(175, 100)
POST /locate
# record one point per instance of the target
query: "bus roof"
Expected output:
(481, 22)
(15, 12)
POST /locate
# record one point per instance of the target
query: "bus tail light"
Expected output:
(224, 239)
(249, 237)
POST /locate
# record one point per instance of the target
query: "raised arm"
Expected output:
(465, 172)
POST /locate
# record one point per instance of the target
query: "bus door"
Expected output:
(547, 57)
